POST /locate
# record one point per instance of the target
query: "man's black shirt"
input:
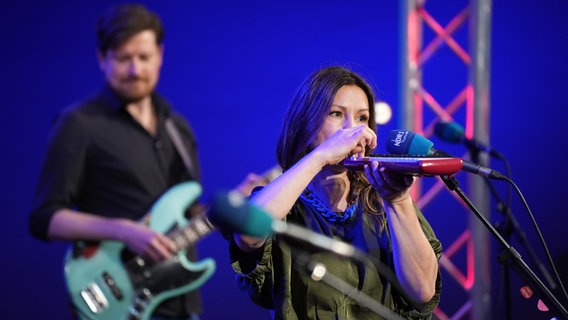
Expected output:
(100, 160)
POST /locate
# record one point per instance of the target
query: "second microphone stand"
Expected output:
(507, 227)
(318, 272)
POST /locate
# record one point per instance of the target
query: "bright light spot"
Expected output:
(318, 272)
(383, 112)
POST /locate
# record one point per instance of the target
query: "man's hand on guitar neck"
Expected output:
(252, 180)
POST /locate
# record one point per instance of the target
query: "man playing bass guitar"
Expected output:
(110, 157)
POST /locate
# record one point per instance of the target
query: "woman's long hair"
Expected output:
(305, 117)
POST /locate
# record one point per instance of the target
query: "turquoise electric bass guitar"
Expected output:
(107, 281)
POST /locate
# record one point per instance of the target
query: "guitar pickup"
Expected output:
(109, 281)
(94, 298)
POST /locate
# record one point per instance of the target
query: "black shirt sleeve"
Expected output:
(60, 175)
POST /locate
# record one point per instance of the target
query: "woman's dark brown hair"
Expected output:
(306, 115)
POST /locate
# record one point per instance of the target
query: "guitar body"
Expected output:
(108, 282)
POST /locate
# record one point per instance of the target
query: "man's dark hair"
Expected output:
(122, 21)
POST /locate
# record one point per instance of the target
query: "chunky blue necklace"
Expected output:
(326, 213)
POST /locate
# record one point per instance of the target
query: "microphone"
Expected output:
(232, 211)
(407, 142)
(455, 133)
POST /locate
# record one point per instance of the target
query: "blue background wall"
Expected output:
(231, 68)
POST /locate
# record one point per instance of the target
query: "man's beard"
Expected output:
(134, 92)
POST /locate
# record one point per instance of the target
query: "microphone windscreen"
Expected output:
(232, 211)
(407, 142)
(449, 131)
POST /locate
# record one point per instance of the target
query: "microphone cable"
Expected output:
(539, 233)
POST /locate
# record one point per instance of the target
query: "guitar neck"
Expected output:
(197, 228)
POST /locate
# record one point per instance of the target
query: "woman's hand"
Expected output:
(390, 186)
(346, 142)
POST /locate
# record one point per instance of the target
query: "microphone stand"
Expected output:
(507, 227)
(511, 257)
(318, 272)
